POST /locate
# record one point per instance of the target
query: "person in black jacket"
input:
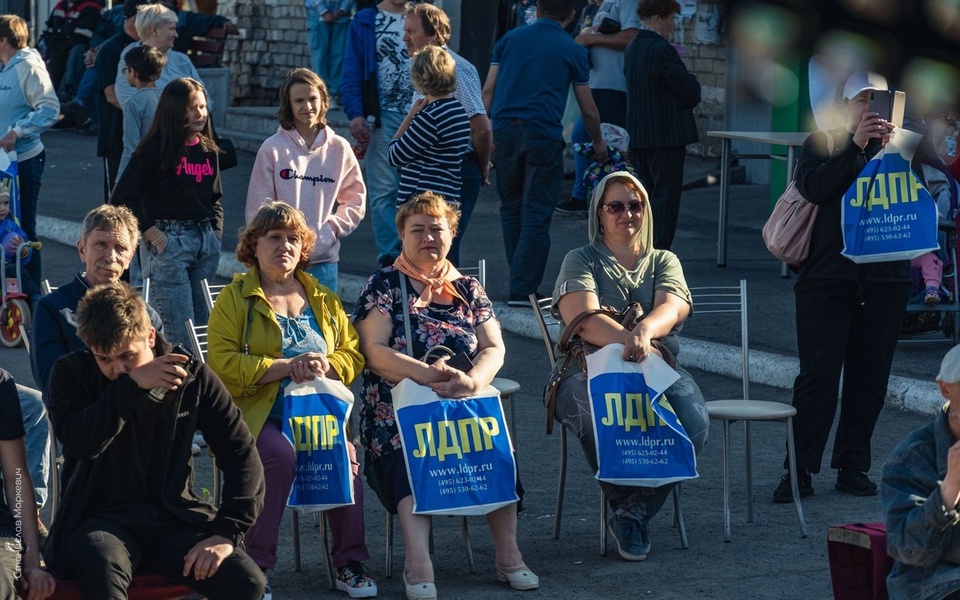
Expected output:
(661, 95)
(125, 412)
(848, 315)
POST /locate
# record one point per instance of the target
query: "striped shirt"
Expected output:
(430, 151)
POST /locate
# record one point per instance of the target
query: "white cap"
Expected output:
(950, 367)
(863, 80)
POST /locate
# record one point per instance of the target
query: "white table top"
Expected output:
(782, 138)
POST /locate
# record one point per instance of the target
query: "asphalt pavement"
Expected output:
(766, 559)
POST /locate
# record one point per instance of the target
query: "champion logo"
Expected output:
(292, 174)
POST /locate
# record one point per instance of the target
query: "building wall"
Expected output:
(273, 40)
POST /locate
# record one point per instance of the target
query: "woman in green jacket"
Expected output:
(272, 326)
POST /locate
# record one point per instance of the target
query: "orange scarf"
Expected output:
(442, 285)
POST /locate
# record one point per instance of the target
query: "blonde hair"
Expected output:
(428, 203)
(433, 72)
(150, 16)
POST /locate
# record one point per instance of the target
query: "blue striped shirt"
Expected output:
(430, 151)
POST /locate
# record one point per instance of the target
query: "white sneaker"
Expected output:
(196, 449)
(198, 439)
(267, 592)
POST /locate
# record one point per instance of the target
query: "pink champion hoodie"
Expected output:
(314, 180)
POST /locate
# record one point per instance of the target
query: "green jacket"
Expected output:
(240, 371)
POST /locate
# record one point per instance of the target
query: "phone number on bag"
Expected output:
(885, 237)
(463, 489)
(662, 452)
(645, 461)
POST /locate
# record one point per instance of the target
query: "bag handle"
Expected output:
(570, 330)
(407, 329)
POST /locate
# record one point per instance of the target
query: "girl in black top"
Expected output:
(172, 185)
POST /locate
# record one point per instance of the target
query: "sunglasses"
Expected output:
(617, 208)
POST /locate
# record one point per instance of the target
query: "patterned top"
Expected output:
(453, 326)
(430, 151)
(298, 335)
(393, 63)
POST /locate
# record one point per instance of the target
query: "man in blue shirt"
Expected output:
(525, 93)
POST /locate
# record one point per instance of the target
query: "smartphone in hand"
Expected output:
(461, 362)
(880, 101)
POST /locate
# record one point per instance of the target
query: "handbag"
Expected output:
(315, 417)
(458, 453)
(788, 230)
(640, 440)
(228, 153)
(575, 347)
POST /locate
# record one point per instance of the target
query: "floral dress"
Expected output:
(453, 326)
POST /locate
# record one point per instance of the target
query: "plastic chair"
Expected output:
(733, 299)
(197, 338)
(46, 288)
(546, 321)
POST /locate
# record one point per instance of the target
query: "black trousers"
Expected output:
(104, 555)
(660, 170)
(843, 325)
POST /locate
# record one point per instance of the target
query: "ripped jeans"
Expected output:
(573, 412)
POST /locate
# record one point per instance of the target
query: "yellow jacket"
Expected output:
(240, 371)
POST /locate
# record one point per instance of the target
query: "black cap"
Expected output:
(130, 7)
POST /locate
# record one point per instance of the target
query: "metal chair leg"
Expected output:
(54, 470)
(749, 484)
(792, 456)
(388, 567)
(320, 519)
(296, 541)
(465, 533)
(603, 523)
(726, 480)
(678, 516)
(561, 486)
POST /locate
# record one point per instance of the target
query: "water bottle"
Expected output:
(360, 146)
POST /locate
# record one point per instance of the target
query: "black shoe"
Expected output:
(76, 112)
(784, 492)
(521, 301)
(856, 482)
(573, 207)
(90, 129)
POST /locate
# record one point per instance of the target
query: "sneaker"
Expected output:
(856, 482)
(195, 449)
(521, 301)
(931, 296)
(573, 207)
(631, 536)
(267, 592)
(75, 111)
(784, 492)
(198, 439)
(353, 580)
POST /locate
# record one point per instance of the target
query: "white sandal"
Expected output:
(519, 578)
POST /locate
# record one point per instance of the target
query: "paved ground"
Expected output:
(767, 558)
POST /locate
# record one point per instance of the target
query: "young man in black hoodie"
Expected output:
(125, 411)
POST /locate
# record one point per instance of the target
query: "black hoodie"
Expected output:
(92, 417)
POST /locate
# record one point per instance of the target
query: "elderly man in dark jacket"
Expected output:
(125, 411)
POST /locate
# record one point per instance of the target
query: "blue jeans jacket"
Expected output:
(924, 542)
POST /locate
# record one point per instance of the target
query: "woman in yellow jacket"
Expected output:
(272, 326)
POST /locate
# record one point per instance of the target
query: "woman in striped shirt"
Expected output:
(431, 141)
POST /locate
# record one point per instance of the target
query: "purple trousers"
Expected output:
(279, 469)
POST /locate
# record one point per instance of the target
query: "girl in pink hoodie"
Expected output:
(308, 166)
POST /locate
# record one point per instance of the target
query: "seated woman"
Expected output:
(445, 308)
(272, 326)
(617, 267)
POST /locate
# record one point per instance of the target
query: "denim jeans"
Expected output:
(37, 440)
(469, 191)
(612, 106)
(383, 183)
(529, 171)
(327, 42)
(31, 175)
(191, 255)
(326, 274)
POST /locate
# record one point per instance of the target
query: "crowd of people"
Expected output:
(125, 402)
